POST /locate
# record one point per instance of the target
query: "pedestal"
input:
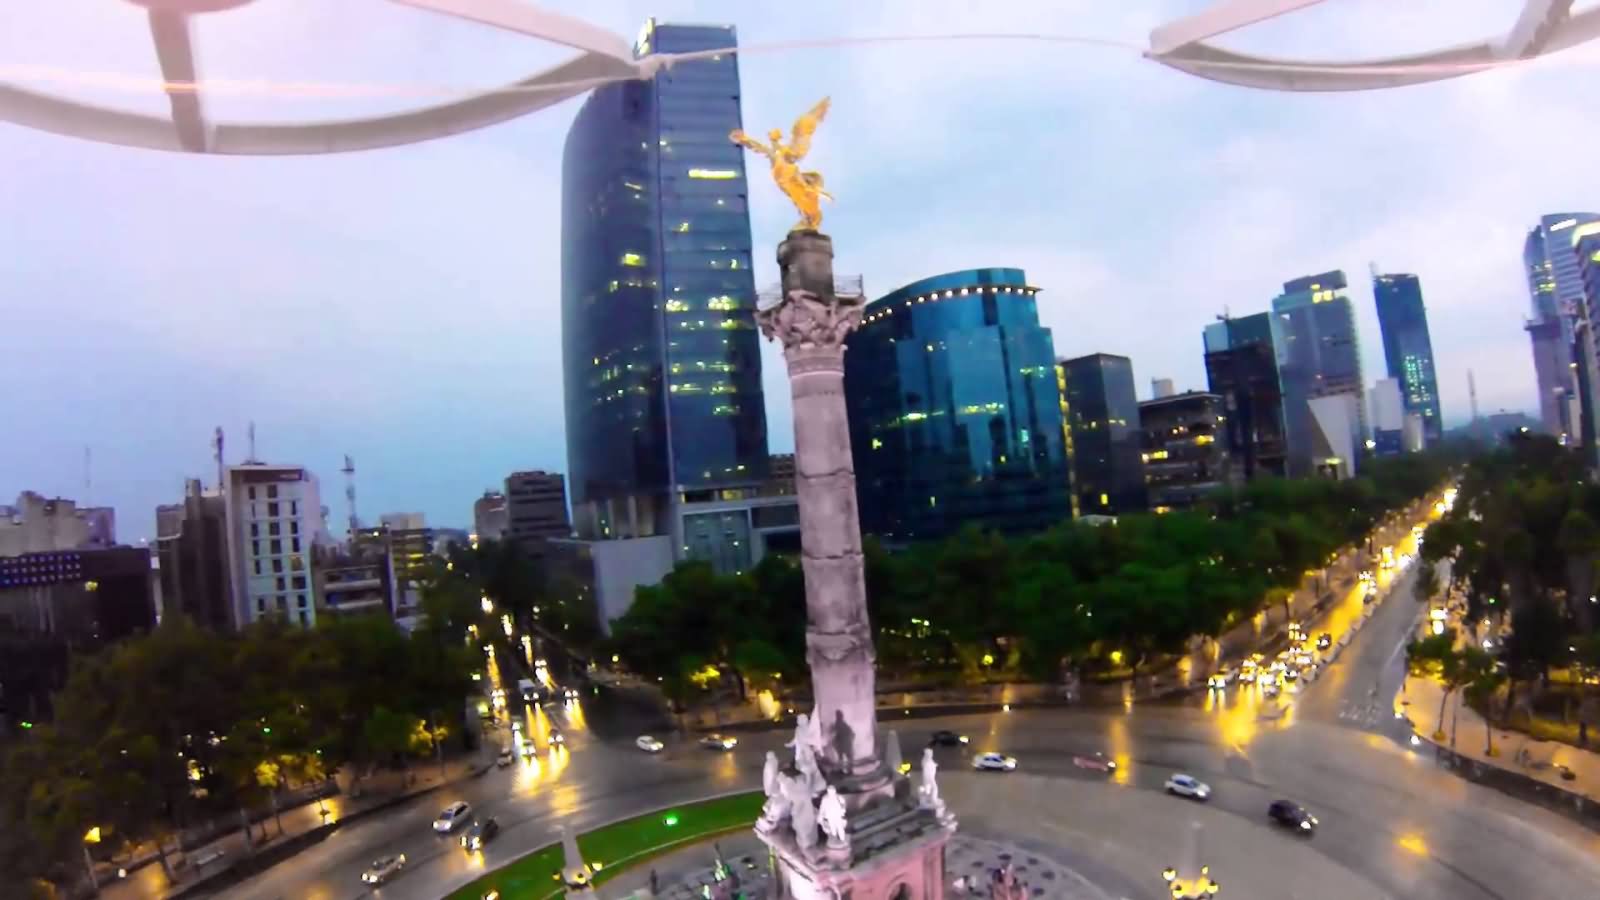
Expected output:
(893, 848)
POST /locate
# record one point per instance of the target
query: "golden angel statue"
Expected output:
(804, 189)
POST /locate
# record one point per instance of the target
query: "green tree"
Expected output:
(1484, 682)
(1436, 657)
(387, 735)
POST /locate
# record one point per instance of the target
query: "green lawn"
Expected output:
(618, 846)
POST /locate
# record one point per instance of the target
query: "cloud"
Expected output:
(401, 305)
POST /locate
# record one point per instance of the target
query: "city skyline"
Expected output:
(447, 251)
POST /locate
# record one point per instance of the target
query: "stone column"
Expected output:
(811, 321)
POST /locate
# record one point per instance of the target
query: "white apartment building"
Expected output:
(274, 519)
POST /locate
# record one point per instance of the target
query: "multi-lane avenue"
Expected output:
(1387, 811)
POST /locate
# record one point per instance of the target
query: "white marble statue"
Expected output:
(930, 784)
(777, 805)
(802, 812)
(807, 741)
(830, 815)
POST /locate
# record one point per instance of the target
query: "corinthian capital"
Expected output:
(803, 319)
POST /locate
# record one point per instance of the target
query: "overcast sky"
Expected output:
(402, 305)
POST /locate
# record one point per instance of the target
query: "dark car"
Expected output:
(947, 739)
(1292, 815)
(1324, 641)
(1096, 761)
(481, 832)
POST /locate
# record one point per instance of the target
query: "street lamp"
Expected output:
(91, 837)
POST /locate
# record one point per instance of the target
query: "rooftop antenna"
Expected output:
(216, 449)
(252, 435)
(88, 480)
(1373, 266)
(349, 471)
(1472, 394)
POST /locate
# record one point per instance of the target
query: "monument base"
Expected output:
(895, 851)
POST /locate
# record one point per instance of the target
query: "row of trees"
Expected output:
(981, 603)
(1524, 548)
(537, 593)
(1468, 669)
(163, 732)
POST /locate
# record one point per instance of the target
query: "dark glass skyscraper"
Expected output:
(662, 366)
(1102, 412)
(1407, 348)
(1318, 356)
(954, 414)
(1242, 368)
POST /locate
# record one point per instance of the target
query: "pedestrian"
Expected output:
(655, 883)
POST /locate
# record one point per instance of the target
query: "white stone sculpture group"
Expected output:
(808, 803)
(793, 795)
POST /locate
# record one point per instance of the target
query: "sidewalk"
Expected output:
(1521, 754)
(301, 825)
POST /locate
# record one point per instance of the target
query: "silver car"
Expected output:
(383, 869)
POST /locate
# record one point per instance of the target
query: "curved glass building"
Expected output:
(662, 366)
(955, 415)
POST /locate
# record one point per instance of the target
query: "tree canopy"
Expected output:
(1029, 605)
(161, 732)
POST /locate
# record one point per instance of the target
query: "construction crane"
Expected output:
(349, 471)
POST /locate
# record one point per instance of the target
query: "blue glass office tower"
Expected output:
(1102, 414)
(1242, 368)
(1558, 326)
(1407, 348)
(1318, 356)
(955, 417)
(662, 366)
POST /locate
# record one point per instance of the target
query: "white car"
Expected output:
(452, 817)
(1217, 682)
(383, 869)
(649, 744)
(994, 762)
(505, 758)
(1188, 786)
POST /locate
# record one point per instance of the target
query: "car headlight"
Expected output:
(1306, 825)
(1112, 764)
(963, 739)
